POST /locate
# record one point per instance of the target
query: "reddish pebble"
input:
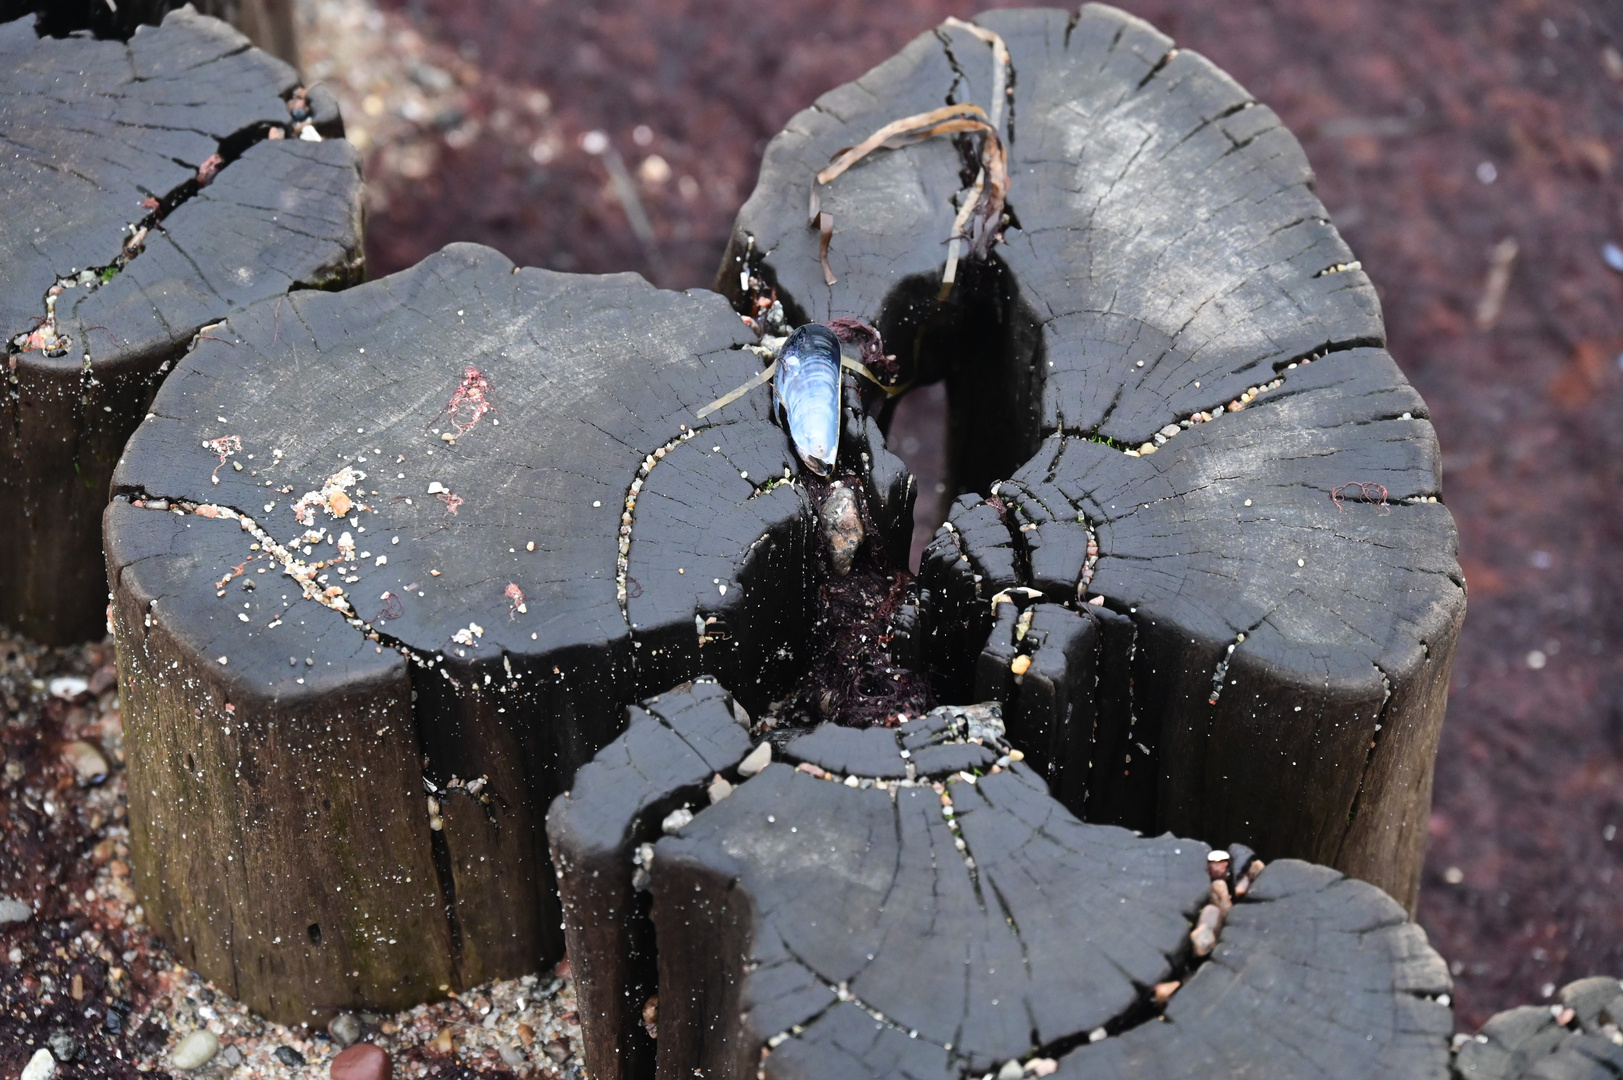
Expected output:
(363, 1061)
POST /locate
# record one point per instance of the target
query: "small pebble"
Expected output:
(14, 911)
(1043, 1066)
(42, 1066)
(756, 760)
(68, 686)
(1204, 939)
(290, 1057)
(362, 1061)
(1012, 1070)
(842, 525)
(195, 1050)
(512, 1055)
(88, 765)
(63, 1046)
(1020, 665)
(677, 820)
(719, 789)
(344, 1029)
(1613, 256)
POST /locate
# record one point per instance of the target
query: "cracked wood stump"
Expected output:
(1577, 1037)
(913, 902)
(155, 187)
(1169, 395)
(437, 530)
(267, 23)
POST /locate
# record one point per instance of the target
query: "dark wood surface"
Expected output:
(1576, 1037)
(481, 597)
(671, 748)
(111, 138)
(1165, 256)
(816, 922)
(268, 24)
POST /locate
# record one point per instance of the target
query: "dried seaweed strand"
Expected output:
(726, 399)
(1000, 73)
(986, 196)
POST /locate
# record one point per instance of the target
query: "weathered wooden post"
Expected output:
(155, 186)
(390, 564)
(475, 518)
(914, 902)
(1168, 388)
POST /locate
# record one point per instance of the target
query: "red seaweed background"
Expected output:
(1405, 111)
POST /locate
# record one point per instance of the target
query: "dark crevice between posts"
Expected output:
(857, 668)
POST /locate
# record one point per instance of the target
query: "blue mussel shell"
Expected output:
(807, 384)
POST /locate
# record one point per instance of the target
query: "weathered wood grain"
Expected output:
(1164, 261)
(504, 430)
(1576, 1038)
(667, 755)
(110, 143)
(830, 923)
(267, 23)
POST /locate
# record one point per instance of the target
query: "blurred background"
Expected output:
(1470, 154)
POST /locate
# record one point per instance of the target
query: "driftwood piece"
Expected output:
(1168, 389)
(146, 201)
(811, 923)
(477, 500)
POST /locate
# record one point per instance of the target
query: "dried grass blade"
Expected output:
(732, 396)
(1000, 64)
(906, 125)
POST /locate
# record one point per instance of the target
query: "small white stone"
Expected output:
(195, 1050)
(756, 760)
(68, 686)
(42, 1066)
(676, 820)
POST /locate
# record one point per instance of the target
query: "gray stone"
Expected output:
(842, 525)
(63, 1046)
(344, 1029)
(14, 911)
